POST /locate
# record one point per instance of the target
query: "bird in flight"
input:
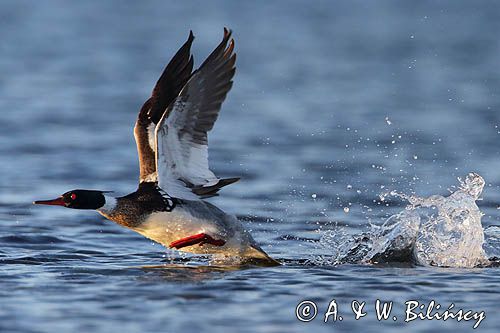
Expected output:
(171, 136)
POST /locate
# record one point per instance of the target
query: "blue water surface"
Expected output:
(334, 102)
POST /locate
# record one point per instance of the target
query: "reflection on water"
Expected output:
(186, 273)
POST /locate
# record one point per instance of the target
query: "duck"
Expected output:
(169, 205)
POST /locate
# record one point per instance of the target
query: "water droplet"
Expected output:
(313, 195)
(346, 209)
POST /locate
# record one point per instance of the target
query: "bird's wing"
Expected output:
(168, 87)
(181, 134)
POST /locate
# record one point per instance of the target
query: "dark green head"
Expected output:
(77, 199)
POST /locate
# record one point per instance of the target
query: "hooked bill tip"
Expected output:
(55, 202)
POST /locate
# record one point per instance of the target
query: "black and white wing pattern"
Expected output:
(181, 134)
(168, 87)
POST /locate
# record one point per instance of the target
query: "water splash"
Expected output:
(437, 230)
(393, 241)
(452, 235)
(492, 242)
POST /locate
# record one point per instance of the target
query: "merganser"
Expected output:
(171, 137)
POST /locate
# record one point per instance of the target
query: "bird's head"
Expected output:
(77, 199)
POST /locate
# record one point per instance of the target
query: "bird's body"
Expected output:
(148, 213)
(171, 135)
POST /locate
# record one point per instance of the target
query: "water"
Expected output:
(449, 234)
(334, 104)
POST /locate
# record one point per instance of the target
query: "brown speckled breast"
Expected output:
(132, 209)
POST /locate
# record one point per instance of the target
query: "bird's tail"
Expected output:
(254, 255)
(211, 191)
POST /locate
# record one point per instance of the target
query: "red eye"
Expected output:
(73, 196)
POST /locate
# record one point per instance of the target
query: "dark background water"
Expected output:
(333, 104)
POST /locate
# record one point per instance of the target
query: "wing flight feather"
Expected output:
(174, 77)
(181, 134)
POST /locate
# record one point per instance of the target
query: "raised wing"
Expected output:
(181, 134)
(168, 87)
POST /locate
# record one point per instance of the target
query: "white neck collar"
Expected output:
(109, 205)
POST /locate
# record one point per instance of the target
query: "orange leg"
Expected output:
(197, 239)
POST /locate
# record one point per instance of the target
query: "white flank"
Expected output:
(167, 227)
